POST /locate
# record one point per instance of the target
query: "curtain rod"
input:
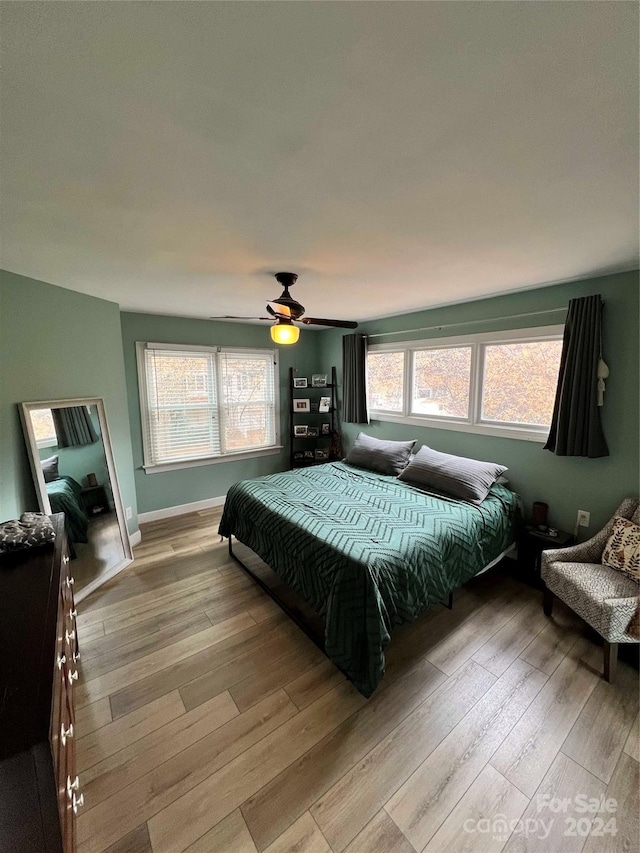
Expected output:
(467, 323)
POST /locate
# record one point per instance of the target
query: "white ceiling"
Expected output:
(165, 155)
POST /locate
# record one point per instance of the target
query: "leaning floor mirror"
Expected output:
(74, 473)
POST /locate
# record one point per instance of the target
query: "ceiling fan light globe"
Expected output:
(284, 333)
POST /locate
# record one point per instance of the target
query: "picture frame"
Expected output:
(300, 430)
(298, 456)
(299, 381)
(313, 432)
(315, 407)
(308, 455)
(302, 405)
(325, 429)
(319, 380)
(325, 404)
(322, 453)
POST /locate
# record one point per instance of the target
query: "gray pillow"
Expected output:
(456, 476)
(50, 469)
(384, 457)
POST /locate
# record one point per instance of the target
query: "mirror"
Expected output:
(74, 472)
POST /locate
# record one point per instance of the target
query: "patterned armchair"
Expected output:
(605, 598)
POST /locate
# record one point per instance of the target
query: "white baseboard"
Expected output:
(135, 538)
(181, 509)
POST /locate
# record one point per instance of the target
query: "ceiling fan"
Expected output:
(285, 312)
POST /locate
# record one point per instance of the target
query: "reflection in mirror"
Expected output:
(74, 474)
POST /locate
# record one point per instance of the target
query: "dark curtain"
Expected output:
(73, 426)
(354, 379)
(575, 427)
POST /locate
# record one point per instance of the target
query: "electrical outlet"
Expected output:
(129, 512)
(583, 518)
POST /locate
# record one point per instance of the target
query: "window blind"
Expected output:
(247, 400)
(203, 403)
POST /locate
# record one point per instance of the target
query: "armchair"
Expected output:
(605, 598)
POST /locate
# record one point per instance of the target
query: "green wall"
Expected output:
(173, 488)
(57, 344)
(566, 484)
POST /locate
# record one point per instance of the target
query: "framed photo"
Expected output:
(298, 456)
(314, 407)
(325, 429)
(299, 381)
(319, 380)
(301, 406)
(300, 430)
(308, 455)
(322, 453)
(325, 404)
(313, 431)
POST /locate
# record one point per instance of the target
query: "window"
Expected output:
(441, 382)
(501, 383)
(385, 372)
(43, 427)
(519, 384)
(206, 404)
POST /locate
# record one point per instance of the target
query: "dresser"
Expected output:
(38, 655)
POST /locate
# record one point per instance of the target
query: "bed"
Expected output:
(366, 551)
(64, 496)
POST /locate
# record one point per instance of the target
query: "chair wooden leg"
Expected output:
(547, 601)
(610, 660)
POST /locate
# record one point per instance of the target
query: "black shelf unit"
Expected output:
(300, 444)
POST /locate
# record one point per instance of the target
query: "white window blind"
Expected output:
(247, 400)
(201, 403)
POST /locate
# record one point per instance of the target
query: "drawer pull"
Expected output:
(65, 733)
(73, 676)
(76, 657)
(61, 659)
(72, 785)
(73, 613)
(69, 635)
(65, 559)
(77, 801)
(70, 582)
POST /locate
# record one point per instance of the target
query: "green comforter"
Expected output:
(64, 496)
(365, 550)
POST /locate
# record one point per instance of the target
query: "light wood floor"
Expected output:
(208, 722)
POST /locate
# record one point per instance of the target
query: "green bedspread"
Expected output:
(64, 496)
(366, 550)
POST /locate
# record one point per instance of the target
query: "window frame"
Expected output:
(473, 423)
(151, 467)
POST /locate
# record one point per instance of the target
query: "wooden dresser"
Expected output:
(38, 654)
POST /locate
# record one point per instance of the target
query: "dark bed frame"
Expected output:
(294, 615)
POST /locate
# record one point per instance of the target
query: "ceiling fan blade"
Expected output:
(279, 310)
(338, 324)
(233, 317)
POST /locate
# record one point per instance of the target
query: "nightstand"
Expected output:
(94, 501)
(531, 544)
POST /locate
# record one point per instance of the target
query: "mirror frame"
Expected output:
(38, 476)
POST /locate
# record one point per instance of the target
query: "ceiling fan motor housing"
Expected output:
(287, 280)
